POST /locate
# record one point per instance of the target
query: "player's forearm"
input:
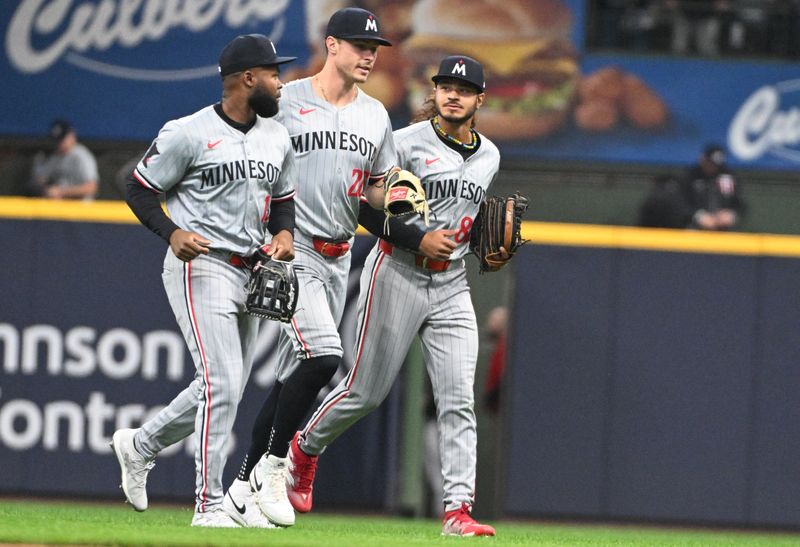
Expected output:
(401, 234)
(375, 195)
(281, 217)
(147, 208)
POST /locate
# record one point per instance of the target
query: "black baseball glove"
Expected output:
(498, 224)
(272, 290)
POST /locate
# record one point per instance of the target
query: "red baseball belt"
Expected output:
(330, 248)
(421, 261)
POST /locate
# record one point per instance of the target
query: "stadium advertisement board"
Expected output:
(119, 70)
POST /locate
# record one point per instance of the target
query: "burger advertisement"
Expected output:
(534, 83)
(531, 65)
(550, 93)
(547, 96)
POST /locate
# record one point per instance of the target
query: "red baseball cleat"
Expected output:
(300, 480)
(460, 523)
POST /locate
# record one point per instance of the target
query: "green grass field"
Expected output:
(114, 524)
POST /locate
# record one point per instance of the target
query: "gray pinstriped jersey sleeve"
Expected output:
(167, 159)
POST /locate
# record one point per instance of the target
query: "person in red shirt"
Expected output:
(496, 327)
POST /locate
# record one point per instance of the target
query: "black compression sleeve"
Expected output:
(281, 217)
(400, 233)
(145, 205)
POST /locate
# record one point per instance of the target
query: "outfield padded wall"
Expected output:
(652, 373)
(654, 376)
(88, 344)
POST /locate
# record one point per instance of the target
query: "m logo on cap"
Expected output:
(459, 68)
(371, 24)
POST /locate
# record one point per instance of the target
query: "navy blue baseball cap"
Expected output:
(355, 24)
(248, 51)
(461, 67)
(59, 129)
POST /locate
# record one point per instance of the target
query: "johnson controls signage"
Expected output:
(68, 390)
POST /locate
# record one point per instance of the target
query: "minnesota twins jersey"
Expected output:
(453, 186)
(349, 145)
(226, 178)
(400, 296)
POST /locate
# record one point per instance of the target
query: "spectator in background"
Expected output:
(638, 22)
(69, 171)
(609, 13)
(712, 193)
(665, 205)
(496, 328)
(709, 28)
(783, 20)
(679, 26)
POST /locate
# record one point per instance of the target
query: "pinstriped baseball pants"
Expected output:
(207, 297)
(397, 301)
(314, 329)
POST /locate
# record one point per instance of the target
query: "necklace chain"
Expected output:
(469, 146)
(322, 89)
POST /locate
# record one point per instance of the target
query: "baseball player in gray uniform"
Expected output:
(414, 282)
(228, 174)
(343, 146)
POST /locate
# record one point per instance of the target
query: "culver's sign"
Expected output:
(42, 33)
(768, 123)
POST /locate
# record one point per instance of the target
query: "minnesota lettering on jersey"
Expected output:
(453, 188)
(337, 140)
(239, 170)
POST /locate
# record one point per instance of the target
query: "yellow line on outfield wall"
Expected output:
(116, 212)
(687, 241)
(541, 233)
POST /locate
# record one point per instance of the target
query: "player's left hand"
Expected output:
(375, 195)
(282, 246)
(503, 255)
(438, 244)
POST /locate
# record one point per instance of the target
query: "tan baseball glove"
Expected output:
(405, 195)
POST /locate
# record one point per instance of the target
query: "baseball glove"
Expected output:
(498, 224)
(272, 290)
(404, 195)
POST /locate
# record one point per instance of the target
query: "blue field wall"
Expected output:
(88, 344)
(775, 442)
(654, 385)
(641, 385)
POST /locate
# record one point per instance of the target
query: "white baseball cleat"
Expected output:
(268, 483)
(214, 518)
(241, 505)
(134, 466)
